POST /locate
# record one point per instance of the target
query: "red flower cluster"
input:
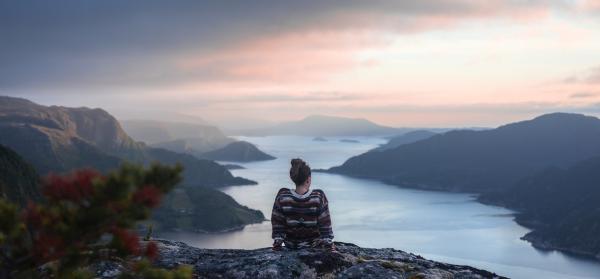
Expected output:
(151, 250)
(148, 195)
(32, 215)
(74, 187)
(48, 247)
(127, 240)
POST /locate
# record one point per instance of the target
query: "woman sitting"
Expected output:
(300, 217)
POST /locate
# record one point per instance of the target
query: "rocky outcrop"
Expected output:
(350, 261)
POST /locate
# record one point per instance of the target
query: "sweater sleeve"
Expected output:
(277, 222)
(324, 221)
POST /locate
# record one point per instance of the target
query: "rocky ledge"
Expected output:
(350, 261)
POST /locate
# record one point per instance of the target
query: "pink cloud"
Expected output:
(290, 58)
(315, 51)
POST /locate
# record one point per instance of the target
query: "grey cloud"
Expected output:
(594, 76)
(590, 76)
(101, 43)
(506, 108)
(327, 97)
(583, 95)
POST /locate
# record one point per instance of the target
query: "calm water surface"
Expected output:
(441, 226)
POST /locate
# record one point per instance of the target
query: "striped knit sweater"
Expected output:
(301, 220)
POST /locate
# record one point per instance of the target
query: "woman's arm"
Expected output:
(324, 222)
(278, 224)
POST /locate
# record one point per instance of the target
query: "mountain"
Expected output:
(481, 161)
(201, 209)
(186, 208)
(135, 113)
(60, 139)
(194, 146)
(153, 132)
(562, 206)
(323, 126)
(198, 172)
(18, 180)
(239, 151)
(546, 168)
(407, 138)
(202, 141)
(48, 137)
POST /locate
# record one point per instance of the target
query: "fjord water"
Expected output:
(447, 227)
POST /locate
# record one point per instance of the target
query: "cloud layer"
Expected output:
(361, 58)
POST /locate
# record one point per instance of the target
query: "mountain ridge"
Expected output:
(323, 125)
(58, 139)
(406, 138)
(537, 167)
(239, 151)
(201, 140)
(467, 160)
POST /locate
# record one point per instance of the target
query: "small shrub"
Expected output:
(86, 218)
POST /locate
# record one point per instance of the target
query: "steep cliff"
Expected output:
(59, 139)
(18, 179)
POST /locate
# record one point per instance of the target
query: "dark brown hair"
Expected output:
(300, 171)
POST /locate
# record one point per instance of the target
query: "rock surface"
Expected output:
(350, 261)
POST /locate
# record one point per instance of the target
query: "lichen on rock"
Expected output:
(350, 261)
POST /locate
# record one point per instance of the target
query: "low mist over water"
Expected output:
(442, 226)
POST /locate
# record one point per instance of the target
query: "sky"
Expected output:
(242, 63)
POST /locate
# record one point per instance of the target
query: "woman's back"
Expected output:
(300, 220)
(300, 216)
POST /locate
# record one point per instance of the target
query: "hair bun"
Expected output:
(299, 171)
(297, 162)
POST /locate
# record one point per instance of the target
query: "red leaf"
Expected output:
(148, 195)
(151, 250)
(129, 241)
(73, 187)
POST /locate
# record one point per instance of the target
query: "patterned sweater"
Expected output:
(301, 220)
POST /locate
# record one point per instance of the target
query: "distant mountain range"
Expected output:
(194, 146)
(560, 205)
(325, 126)
(59, 139)
(239, 151)
(202, 141)
(480, 161)
(153, 132)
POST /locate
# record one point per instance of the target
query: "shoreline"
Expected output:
(536, 242)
